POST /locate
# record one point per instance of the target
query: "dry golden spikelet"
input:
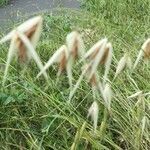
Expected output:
(121, 65)
(10, 55)
(129, 62)
(93, 80)
(32, 29)
(24, 28)
(93, 55)
(22, 52)
(93, 51)
(146, 49)
(100, 53)
(24, 40)
(140, 55)
(107, 96)
(96, 61)
(93, 112)
(60, 57)
(124, 62)
(31, 50)
(72, 44)
(63, 62)
(74, 51)
(144, 52)
(90, 69)
(105, 56)
(108, 59)
(75, 45)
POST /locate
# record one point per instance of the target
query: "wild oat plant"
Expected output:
(95, 66)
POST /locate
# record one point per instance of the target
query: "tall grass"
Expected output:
(36, 115)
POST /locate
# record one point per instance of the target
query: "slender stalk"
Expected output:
(78, 136)
(9, 58)
(77, 85)
(103, 124)
(138, 59)
(138, 139)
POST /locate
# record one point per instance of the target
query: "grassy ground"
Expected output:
(35, 115)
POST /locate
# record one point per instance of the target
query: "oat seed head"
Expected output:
(107, 96)
(93, 113)
(32, 52)
(122, 64)
(75, 44)
(94, 48)
(108, 60)
(24, 27)
(98, 58)
(146, 48)
(55, 58)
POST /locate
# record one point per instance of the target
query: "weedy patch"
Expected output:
(102, 102)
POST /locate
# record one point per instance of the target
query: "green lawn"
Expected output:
(35, 114)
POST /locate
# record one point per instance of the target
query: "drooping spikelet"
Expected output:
(146, 49)
(32, 29)
(98, 57)
(107, 96)
(60, 57)
(66, 55)
(144, 52)
(93, 51)
(124, 62)
(76, 48)
(94, 79)
(75, 45)
(23, 43)
(100, 53)
(108, 59)
(94, 56)
(93, 113)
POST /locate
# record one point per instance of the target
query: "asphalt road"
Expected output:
(18, 9)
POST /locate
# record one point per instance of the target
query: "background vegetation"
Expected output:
(35, 114)
(3, 2)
